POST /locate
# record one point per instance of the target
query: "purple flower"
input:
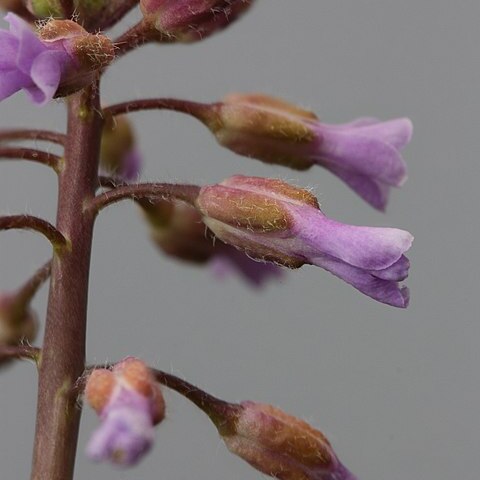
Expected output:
(274, 221)
(364, 153)
(57, 61)
(129, 404)
(126, 432)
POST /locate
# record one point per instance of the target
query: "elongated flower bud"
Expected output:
(129, 403)
(192, 20)
(281, 445)
(277, 222)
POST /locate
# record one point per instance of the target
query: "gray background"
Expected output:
(397, 392)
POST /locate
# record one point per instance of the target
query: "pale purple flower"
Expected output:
(129, 404)
(274, 221)
(364, 153)
(28, 63)
(126, 433)
(57, 60)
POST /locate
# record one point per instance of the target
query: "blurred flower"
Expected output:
(273, 221)
(119, 155)
(365, 153)
(178, 230)
(58, 60)
(192, 20)
(129, 403)
(18, 322)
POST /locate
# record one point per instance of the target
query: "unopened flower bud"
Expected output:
(129, 403)
(280, 445)
(364, 153)
(118, 152)
(273, 221)
(178, 230)
(192, 20)
(57, 60)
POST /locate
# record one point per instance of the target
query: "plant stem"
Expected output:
(28, 222)
(22, 352)
(63, 355)
(39, 156)
(30, 134)
(195, 109)
(147, 191)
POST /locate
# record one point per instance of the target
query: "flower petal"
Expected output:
(11, 82)
(369, 248)
(371, 190)
(361, 152)
(384, 291)
(46, 72)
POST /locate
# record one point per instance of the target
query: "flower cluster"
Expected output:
(129, 403)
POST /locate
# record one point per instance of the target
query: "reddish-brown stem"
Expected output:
(9, 352)
(153, 191)
(63, 356)
(140, 34)
(39, 156)
(29, 222)
(195, 109)
(214, 407)
(43, 135)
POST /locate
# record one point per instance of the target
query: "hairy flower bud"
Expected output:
(278, 444)
(118, 152)
(58, 60)
(277, 222)
(192, 20)
(129, 403)
(363, 153)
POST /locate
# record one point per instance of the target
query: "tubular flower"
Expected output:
(177, 229)
(58, 60)
(192, 20)
(279, 444)
(129, 403)
(365, 153)
(274, 221)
